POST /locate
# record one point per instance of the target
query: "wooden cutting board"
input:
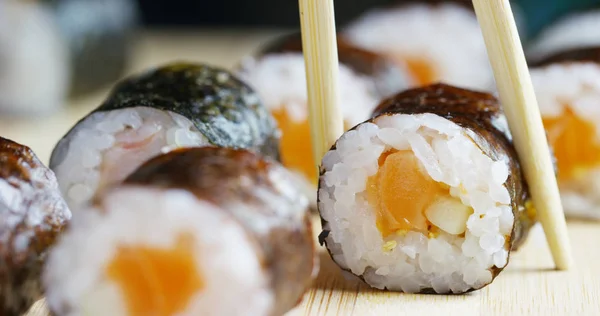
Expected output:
(528, 286)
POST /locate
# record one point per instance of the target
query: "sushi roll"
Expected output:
(176, 105)
(34, 62)
(427, 196)
(197, 231)
(98, 35)
(277, 73)
(32, 214)
(576, 31)
(565, 71)
(433, 40)
(567, 86)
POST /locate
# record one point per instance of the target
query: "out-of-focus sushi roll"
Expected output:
(98, 35)
(427, 196)
(200, 231)
(277, 74)
(32, 214)
(177, 105)
(567, 86)
(434, 40)
(576, 31)
(34, 72)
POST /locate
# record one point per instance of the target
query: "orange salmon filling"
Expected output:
(295, 146)
(574, 142)
(156, 281)
(296, 150)
(420, 68)
(401, 191)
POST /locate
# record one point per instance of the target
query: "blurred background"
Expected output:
(59, 58)
(278, 13)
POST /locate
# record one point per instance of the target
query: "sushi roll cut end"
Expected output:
(186, 257)
(32, 215)
(107, 146)
(413, 201)
(145, 116)
(196, 231)
(568, 92)
(565, 71)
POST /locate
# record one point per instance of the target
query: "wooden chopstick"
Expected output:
(520, 105)
(319, 44)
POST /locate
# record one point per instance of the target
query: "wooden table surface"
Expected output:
(529, 286)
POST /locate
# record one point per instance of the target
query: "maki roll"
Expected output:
(34, 73)
(197, 231)
(565, 71)
(426, 197)
(277, 73)
(32, 214)
(576, 31)
(567, 86)
(434, 40)
(173, 106)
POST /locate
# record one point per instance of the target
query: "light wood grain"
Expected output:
(529, 286)
(523, 115)
(317, 20)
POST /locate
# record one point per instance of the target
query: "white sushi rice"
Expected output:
(29, 204)
(280, 80)
(575, 31)
(447, 34)
(34, 59)
(235, 283)
(413, 262)
(578, 86)
(79, 158)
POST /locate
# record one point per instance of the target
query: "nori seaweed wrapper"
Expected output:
(387, 75)
(98, 34)
(481, 116)
(577, 55)
(223, 108)
(260, 194)
(32, 215)
(395, 4)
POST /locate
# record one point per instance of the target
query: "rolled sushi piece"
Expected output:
(197, 231)
(434, 40)
(173, 106)
(34, 62)
(428, 196)
(567, 85)
(278, 75)
(576, 31)
(32, 214)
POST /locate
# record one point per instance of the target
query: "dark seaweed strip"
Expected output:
(578, 55)
(468, 4)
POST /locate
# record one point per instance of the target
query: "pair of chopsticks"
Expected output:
(514, 86)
